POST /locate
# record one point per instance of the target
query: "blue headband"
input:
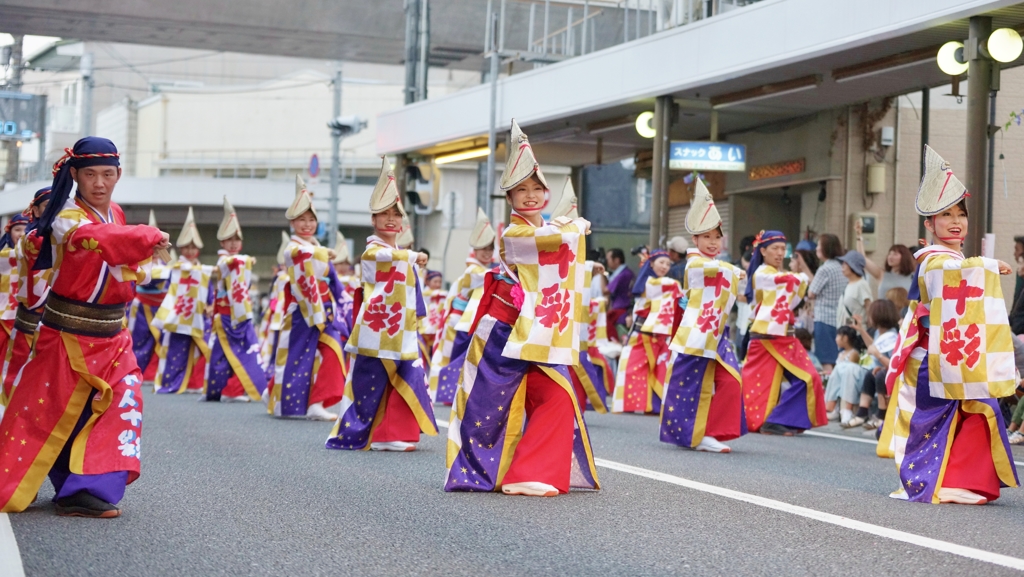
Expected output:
(646, 271)
(764, 238)
(89, 151)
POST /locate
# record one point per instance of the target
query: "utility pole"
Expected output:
(14, 85)
(979, 80)
(412, 22)
(332, 231)
(484, 197)
(86, 65)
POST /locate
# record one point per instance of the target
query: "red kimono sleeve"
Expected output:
(117, 244)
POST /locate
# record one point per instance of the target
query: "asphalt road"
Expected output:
(227, 490)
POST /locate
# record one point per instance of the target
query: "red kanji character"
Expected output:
(961, 293)
(781, 312)
(667, 312)
(184, 307)
(973, 346)
(188, 282)
(236, 264)
(562, 257)
(390, 277)
(708, 320)
(239, 292)
(718, 281)
(394, 321)
(791, 282)
(952, 344)
(302, 257)
(376, 314)
(308, 288)
(554, 308)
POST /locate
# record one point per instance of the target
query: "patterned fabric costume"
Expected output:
(76, 412)
(450, 352)
(597, 336)
(8, 303)
(386, 396)
(780, 384)
(703, 395)
(147, 340)
(234, 349)
(644, 361)
(430, 325)
(308, 360)
(946, 376)
(517, 416)
(33, 286)
(182, 318)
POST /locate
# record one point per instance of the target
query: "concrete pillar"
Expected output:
(978, 83)
(659, 171)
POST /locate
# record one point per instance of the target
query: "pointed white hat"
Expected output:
(703, 216)
(229, 225)
(152, 219)
(303, 201)
(341, 253)
(385, 193)
(189, 232)
(940, 189)
(483, 233)
(520, 163)
(285, 239)
(568, 203)
(405, 238)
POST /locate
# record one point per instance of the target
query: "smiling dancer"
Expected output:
(310, 370)
(703, 397)
(782, 391)
(644, 359)
(386, 404)
(953, 362)
(517, 425)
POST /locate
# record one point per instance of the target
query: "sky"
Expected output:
(32, 43)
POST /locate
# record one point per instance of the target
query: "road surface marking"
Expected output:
(856, 440)
(845, 522)
(10, 558)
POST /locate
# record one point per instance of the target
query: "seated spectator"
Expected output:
(807, 340)
(857, 294)
(898, 297)
(844, 383)
(884, 320)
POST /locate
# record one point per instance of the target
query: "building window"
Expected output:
(69, 94)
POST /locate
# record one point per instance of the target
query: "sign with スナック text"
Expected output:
(720, 156)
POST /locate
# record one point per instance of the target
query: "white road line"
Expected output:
(921, 541)
(856, 440)
(10, 557)
(845, 522)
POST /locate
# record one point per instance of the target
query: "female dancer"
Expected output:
(953, 362)
(703, 399)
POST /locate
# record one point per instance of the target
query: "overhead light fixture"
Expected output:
(951, 58)
(1004, 45)
(643, 125)
(766, 91)
(462, 155)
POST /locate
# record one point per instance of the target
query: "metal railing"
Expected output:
(279, 164)
(552, 38)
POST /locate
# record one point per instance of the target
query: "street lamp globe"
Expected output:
(1005, 45)
(643, 125)
(951, 58)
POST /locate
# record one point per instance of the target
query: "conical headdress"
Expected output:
(568, 203)
(341, 250)
(703, 215)
(521, 163)
(229, 225)
(940, 189)
(189, 232)
(405, 238)
(152, 219)
(385, 194)
(483, 233)
(285, 239)
(303, 201)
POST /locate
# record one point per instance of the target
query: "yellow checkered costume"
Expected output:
(387, 324)
(305, 264)
(777, 294)
(8, 284)
(660, 300)
(234, 275)
(548, 261)
(711, 286)
(182, 310)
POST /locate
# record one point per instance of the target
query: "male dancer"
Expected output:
(77, 409)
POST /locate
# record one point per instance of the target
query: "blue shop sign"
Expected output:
(718, 156)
